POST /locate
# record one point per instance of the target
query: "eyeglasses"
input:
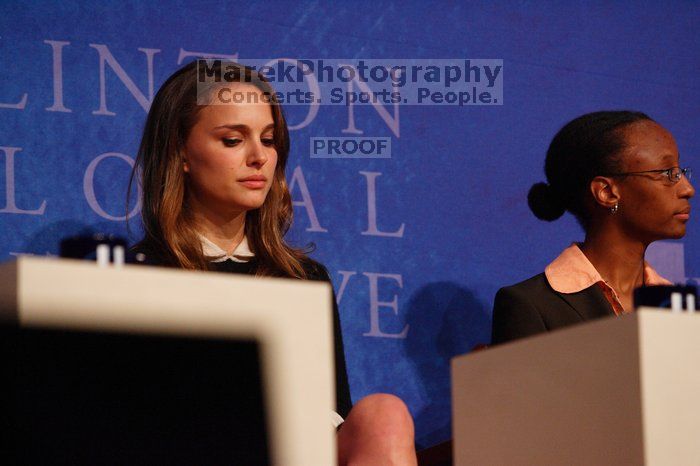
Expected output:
(674, 174)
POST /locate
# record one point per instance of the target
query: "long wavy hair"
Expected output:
(170, 231)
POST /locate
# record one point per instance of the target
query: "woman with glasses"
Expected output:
(619, 174)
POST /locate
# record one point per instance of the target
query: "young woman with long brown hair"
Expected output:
(215, 198)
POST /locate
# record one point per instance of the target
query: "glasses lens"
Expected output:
(675, 174)
(688, 173)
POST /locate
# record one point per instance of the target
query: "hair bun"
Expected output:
(544, 202)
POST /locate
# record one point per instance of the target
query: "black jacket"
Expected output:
(315, 271)
(532, 306)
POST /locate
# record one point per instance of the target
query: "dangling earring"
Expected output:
(613, 209)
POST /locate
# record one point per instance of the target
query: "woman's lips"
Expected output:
(683, 214)
(254, 182)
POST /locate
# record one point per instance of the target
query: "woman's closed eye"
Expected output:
(231, 142)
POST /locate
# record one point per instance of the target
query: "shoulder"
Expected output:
(315, 270)
(517, 309)
(532, 287)
(527, 294)
(532, 307)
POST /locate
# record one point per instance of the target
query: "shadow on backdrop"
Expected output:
(47, 240)
(449, 319)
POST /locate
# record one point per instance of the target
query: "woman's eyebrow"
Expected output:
(242, 127)
(233, 126)
(669, 157)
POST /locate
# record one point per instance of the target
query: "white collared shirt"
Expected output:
(242, 253)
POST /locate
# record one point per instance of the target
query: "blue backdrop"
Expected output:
(417, 244)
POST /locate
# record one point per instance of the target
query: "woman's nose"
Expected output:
(257, 155)
(686, 189)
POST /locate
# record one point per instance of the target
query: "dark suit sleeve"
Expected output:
(342, 387)
(514, 316)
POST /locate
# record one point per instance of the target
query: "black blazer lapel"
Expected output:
(589, 303)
